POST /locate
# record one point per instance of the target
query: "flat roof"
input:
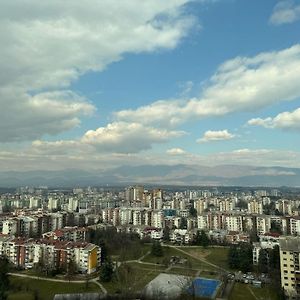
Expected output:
(289, 243)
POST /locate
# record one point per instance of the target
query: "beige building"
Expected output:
(255, 207)
(289, 266)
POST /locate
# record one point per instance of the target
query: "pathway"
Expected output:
(94, 280)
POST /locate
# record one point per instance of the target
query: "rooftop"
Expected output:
(289, 243)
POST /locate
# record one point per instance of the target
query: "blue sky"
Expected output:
(101, 84)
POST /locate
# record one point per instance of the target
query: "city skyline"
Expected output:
(102, 84)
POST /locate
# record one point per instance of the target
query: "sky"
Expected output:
(97, 84)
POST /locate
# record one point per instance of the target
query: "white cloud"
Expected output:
(218, 135)
(25, 117)
(47, 159)
(240, 84)
(284, 120)
(45, 45)
(285, 12)
(115, 137)
(175, 151)
(124, 137)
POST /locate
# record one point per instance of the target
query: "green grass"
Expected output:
(242, 292)
(21, 296)
(185, 272)
(142, 266)
(218, 256)
(215, 255)
(169, 251)
(46, 289)
(134, 252)
(134, 280)
(211, 274)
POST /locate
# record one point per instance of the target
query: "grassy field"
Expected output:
(218, 256)
(170, 251)
(132, 277)
(24, 288)
(215, 255)
(143, 266)
(185, 272)
(243, 292)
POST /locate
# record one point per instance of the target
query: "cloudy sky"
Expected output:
(102, 83)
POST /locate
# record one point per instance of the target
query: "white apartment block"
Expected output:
(9, 227)
(295, 225)
(255, 207)
(52, 204)
(203, 222)
(263, 225)
(157, 219)
(226, 205)
(200, 205)
(234, 223)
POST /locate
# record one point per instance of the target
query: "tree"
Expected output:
(107, 270)
(276, 228)
(240, 257)
(246, 257)
(201, 239)
(233, 257)
(242, 204)
(71, 268)
(157, 249)
(103, 248)
(263, 261)
(183, 223)
(193, 212)
(166, 234)
(253, 236)
(275, 258)
(4, 281)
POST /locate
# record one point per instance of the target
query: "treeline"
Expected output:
(4, 280)
(125, 245)
(240, 257)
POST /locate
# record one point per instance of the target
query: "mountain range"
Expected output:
(185, 175)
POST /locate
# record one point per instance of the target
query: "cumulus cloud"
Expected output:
(285, 12)
(45, 45)
(285, 120)
(118, 137)
(25, 117)
(127, 137)
(218, 135)
(175, 151)
(240, 84)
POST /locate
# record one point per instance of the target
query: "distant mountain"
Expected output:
(190, 175)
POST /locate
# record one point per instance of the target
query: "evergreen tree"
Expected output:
(4, 281)
(233, 257)
(201, 239)
(103, 250)
(166, 234)
(107, 270)
(246, 257)
(193, 212)
(157, 249)
(263, 261)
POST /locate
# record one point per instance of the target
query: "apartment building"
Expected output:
(53, 253)
(289, 265)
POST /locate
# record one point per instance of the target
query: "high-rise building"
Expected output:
(289, 266)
